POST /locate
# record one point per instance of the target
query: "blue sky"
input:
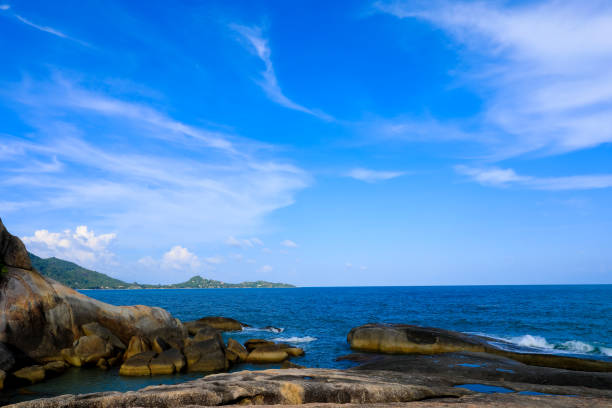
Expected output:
(317, 143)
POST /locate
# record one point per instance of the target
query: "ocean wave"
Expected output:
(306, 339)
(568, 347)
(265, 329)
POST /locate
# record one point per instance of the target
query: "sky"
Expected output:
(311, 142)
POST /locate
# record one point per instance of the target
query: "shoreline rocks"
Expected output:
(410, 339)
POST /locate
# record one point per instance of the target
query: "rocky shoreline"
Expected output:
(46, 327)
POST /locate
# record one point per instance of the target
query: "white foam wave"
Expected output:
(577, 346)
(269, 329)
(532, 341)
(606, 351)
(306, 339)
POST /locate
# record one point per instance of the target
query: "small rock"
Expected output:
(113, 361)
(137, 365)
(254, 343)
(206, 356)
(235, 352)
(32, 374)
(267, 355)
(92, 348)
(99, 330)
(137, 345)
(102, 364)
(2, 378)
(71, 358)
(294, 351)
(168, 362)
(55, 367)
(159, 345)
(288, 364)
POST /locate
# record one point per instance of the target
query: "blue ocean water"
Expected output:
(569, 319)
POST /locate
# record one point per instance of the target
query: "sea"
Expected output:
(573, 320)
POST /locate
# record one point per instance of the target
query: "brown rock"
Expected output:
(168, 362)
(113, 361)
(92, 348)
(32, 374)
(137, 345)
(252, 344)
(40, 317)
(55, 368)
(267, 355)
(294, 351)
(103, 332)
(221, 323)
(102, 364)
(206, 356)
(2, 378)
(12, 251)
(71, 358)
(7, 359)
(159, 345)
(288, 364)
(206, 333)
(235, 352)
(137, 365)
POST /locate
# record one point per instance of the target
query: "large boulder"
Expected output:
(32, 374)
(252, 344)
(137, 345)
(267, 355)
(235, 352)
(216, 322)
(7, 359)
(12, 251)
(90, 349)
(206, 356)
(101, 331)
(167, 362)
(409, 339)
(205, 333)
(137, 365)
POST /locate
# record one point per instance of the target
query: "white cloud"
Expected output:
(265, 269)
(289, 244)
(498, 177)
(243, 243)
(372, 176)
(363, 268)
(82, 246)
(5, 6)
(541, 68)
(254, 36)
(180, 258)
(154, 174)
(214, 260)
(41, 28)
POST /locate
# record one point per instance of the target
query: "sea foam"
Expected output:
(306, 339)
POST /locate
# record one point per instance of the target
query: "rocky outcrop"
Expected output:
(409, 339)
(12, 251)
(40, 317)
(216, 322)
(235, 352)
(320, 386)
(138, 365)
(206, 356)
(268, 352)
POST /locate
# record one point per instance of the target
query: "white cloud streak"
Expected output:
(258, 43)
(542, 69)
(289, 244)
(498, 177)
(373, 176)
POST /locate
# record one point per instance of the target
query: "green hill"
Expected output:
(73, 275)
(77, 277)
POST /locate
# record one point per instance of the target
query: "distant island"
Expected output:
(77, 277)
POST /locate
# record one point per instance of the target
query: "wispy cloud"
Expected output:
(46, 29)
(243, 243)
(289, 243)
(498, 177)
(138, 171)
(541, 68)
(258, 43)
(373, 176)
(5, 6)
